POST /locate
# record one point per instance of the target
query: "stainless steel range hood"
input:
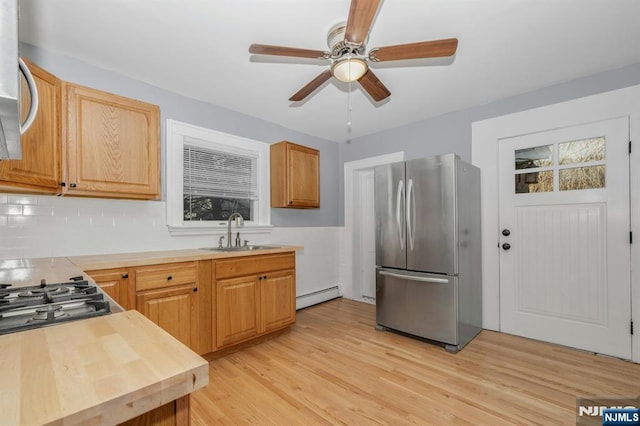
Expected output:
(10, 67)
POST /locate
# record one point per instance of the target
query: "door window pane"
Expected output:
(581, 151)
(582, 178)
(539, 156)
(534, 182)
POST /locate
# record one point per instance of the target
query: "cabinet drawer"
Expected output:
(254, 265)
(166, 275)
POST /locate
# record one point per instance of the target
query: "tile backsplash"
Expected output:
(40, 226)
(34, 226)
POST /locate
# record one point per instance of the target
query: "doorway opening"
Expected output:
(359, 235)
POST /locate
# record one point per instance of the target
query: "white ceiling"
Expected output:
(199, 48)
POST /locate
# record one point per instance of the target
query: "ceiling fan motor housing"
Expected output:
(339, 46)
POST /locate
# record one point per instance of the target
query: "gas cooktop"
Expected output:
(25, 308)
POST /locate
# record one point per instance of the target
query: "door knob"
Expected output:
(506, 232)
(506, 246)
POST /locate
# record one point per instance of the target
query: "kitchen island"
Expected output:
(102, 370)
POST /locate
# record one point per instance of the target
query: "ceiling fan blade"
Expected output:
(311, 86)
(423, 49)
(373, 86)
(266, 49)
(361, 16)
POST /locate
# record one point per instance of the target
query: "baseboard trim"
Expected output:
(316, 297)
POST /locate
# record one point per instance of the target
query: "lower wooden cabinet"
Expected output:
(209, 304)
(173, 309)
(175, 413)
(167, 294)
(254, 295)
(115, 282)
(238, 310)
(278, 300)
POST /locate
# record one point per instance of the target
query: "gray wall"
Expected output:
(447, 133)
(192, 111)
(452, 132)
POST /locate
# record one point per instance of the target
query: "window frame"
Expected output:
(177, 132)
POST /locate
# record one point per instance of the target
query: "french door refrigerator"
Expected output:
(428, 261)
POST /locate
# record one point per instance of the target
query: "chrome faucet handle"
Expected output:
(220, 241)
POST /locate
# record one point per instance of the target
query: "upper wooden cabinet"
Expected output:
(86, 142)
(295, 176)
(113, 144)
(40, 168)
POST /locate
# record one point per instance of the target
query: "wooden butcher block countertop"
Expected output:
(119, 260)
(102, 370)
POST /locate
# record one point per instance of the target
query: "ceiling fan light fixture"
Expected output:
(349, 70)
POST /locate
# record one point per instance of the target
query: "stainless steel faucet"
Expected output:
(239, 221)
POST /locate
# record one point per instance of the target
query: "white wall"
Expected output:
(486, 134)
(48, 226)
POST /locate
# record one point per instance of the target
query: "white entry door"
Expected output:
(565, 241)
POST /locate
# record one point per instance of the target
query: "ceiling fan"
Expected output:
(347, 46)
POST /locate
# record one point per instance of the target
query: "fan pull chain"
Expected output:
(349, 107)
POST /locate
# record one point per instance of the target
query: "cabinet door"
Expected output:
(173, 309)
(295, 176)
(115, 282)
(278, 297)
(40, 168)
(237, 309)
(113, 145)
(304, 176)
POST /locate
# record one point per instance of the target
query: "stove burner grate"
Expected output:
(41, 291)
(25, 308)
(48, 313)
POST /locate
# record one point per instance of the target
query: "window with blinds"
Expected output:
(218, 183)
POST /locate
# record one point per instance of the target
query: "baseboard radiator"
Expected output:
(316, 297)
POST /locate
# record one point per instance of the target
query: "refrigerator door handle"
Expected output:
(411, 213)
(400, 212)
(415, 278)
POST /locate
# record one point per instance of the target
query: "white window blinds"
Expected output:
(212, 173)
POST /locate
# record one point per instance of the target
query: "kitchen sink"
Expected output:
(241, 248)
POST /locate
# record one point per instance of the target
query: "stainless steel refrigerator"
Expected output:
(428, 260)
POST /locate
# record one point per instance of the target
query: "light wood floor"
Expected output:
(334, 368)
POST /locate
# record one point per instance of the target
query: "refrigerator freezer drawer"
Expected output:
(421, 304)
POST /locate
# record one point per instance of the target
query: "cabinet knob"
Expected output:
(195, 289)
(264, 277)
(260, 278)
(290, 202)
(169, 278)
(72, 185)
(125, 275)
